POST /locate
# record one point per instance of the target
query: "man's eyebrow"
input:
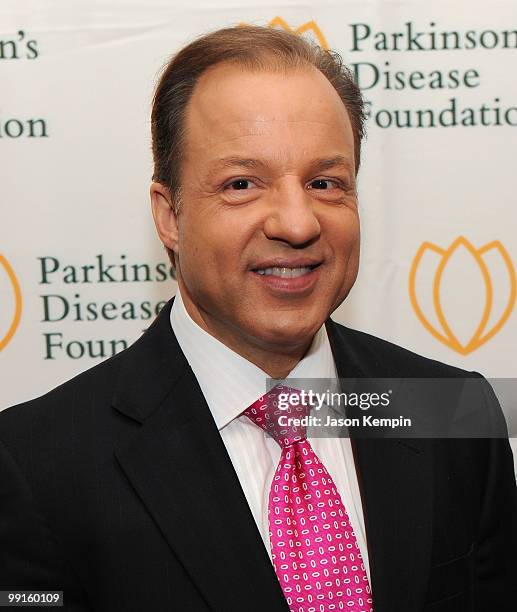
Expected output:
(232, 162)
(327, 163)
(324, 163)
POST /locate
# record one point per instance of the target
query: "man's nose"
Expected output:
(291, 216)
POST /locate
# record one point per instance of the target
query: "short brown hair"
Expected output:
(252, 47)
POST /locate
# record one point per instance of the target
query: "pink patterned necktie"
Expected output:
(313, 547)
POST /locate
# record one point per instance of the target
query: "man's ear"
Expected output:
(164, 215)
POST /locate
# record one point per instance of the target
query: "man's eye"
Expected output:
(239, 184)
(324, 184)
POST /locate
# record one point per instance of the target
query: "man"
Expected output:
(149, 483)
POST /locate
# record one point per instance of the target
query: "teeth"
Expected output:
(285, 272)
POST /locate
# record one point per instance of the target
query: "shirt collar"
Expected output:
(229, 382)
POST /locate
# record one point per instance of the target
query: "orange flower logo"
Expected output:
(480, 291)
(311, 26)
(10, 302)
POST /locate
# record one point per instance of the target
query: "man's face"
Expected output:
(268, 231)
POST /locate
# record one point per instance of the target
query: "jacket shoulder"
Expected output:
(91, 388)
(142, 371)
(391, 359)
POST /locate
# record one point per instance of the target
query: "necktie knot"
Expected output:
(280, 412)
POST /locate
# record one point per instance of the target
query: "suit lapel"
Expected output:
(396, 483)
(179, 467)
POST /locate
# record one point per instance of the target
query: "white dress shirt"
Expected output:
(230, 384)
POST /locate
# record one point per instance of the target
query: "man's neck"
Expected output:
(277, 362)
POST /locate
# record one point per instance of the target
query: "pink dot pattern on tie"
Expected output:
(314, 550)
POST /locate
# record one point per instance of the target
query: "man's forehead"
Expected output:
(307, 147)
(232, 93)
(286, 121)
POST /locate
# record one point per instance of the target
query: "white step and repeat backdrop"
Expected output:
(81, 270)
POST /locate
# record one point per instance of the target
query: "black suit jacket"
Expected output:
(116, 488)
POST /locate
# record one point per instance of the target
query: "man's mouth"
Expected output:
(285, 272)
(295, 277)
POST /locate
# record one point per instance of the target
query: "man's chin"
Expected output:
(284, 337)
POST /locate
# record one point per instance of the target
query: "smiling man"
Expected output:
(267, 241)
(158, 480)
